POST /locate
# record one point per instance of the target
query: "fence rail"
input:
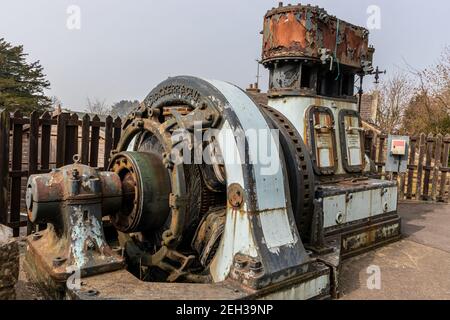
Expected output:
(427, 177)
(36, 144)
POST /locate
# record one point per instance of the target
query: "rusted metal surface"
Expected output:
(301, 31)
(373, 235)
(208, 235)
(121, 285)
(235, 195)
(146, 189)
(77, 184)
(71, 200)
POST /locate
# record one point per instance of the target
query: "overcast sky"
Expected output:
(124, 48)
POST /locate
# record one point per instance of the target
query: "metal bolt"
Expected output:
(58, 261)
(240, 263)
(90, 245)
(37, 236)
(92, 293)
(235, 195)
(339, 218)
(255, 265)
(348, 197)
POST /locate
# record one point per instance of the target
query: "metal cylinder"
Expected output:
(300, 31)
(146, 188)
(77, 184)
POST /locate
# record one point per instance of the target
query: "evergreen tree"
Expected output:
(22, 84)
(124, 107)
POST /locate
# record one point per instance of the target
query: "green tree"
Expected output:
(22, 83)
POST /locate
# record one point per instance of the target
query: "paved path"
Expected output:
(417, 267)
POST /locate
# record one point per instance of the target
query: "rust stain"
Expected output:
(300, 31)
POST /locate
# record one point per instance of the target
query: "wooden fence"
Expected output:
(36, 144)
(427, 178)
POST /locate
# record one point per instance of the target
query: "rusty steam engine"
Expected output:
(155, 227)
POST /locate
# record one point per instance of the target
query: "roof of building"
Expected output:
(256, 94)
(369, 106)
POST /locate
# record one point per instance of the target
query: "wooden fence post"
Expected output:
(108, 141)
(95, 136)
(401, 192)
(4, 165)
(61, 139)
(445, 168)
(46, 137)
(85, 125)
(71, 139)
(16, 173)
(422, 146)
(46, 134)
(117, 131)
(33, 141)
(436, 167)
(428, 168)
(411, 167)
(33, 146)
